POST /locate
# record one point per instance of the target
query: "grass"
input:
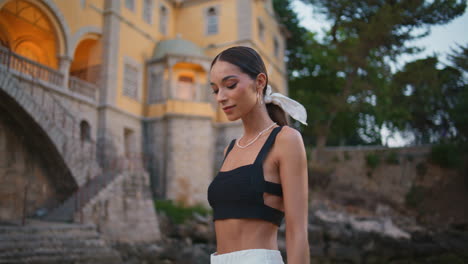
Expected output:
(179, 213)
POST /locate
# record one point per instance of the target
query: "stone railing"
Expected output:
(18, 64)
(83, 87)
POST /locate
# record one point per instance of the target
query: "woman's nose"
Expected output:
(221, 96)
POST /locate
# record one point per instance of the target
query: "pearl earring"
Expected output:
(261, 99)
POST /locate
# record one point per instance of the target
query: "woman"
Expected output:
(263, 178)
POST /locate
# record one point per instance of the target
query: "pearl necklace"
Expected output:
(259, 134)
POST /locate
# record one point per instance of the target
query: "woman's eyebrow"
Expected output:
(225, 78)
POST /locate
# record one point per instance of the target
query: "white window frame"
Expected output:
(130, 5)
(156, 87)
(211, 20)
(261, 29)
(163, 19)
(138, 78)
(147, 11)
(276, 47)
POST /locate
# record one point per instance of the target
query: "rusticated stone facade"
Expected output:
(24, 180)
(124, 210)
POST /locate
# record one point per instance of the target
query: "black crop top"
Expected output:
(238, 193)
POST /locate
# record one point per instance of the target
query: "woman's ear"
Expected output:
(260, 82)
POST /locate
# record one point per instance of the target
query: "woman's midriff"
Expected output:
(240, 234)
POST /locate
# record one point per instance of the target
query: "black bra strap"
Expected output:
(266, 147)
(231, 145)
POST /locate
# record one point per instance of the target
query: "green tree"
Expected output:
(303, 53)
(428, 100)
(364, 37)
(295, 42)
(459, 59)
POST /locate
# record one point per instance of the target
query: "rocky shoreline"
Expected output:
(335, 236)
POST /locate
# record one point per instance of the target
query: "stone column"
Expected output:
(170, 87)
(64, 68)
(108, 80)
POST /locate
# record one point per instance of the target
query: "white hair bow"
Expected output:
(293, 108)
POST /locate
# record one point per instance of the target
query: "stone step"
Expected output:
(56, 251)
(91, 257)
(50, 236)
(49, 229)
(46, 242)
(21, 245)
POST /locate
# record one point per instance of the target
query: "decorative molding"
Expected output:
(139, 78)
(125, 21)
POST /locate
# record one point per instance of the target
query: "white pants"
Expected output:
(248, 256)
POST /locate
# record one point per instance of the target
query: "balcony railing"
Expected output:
(82, 87)
(18, 63)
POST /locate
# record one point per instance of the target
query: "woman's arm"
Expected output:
(293, 174)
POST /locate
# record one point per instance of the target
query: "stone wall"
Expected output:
(24, 178)
(124, 210)
(189, 159)
(378, 172)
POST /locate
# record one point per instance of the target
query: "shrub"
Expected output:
(392, 158)
(179, 213)
(421, 169)
(415, 196)
(346, 155)
(446, 155)
(372, 160)
(336, 159)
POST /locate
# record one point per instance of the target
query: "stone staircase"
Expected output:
(45, 242)
(65, 211)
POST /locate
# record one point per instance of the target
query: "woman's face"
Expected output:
(233, 89)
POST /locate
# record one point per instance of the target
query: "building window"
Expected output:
(163, 15)
(130, 82)
(212, 18)
(129, 141)
(276, 47)
(148, 11)
(261, 30)
(130, 4)
(185, 88)
(155, 91)
(85, 131)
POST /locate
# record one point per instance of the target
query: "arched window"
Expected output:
(163, 15)
(261, 29)
(185, 88)
(212, 21)
(85, 131)
(276, 47)
(129, 142)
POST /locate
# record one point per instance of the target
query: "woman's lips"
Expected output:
(228, 108)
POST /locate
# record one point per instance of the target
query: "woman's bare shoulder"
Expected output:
(289, 135)
(290, 144)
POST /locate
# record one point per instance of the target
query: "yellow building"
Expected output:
(133, 77)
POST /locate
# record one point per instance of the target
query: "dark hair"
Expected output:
(250, 63)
